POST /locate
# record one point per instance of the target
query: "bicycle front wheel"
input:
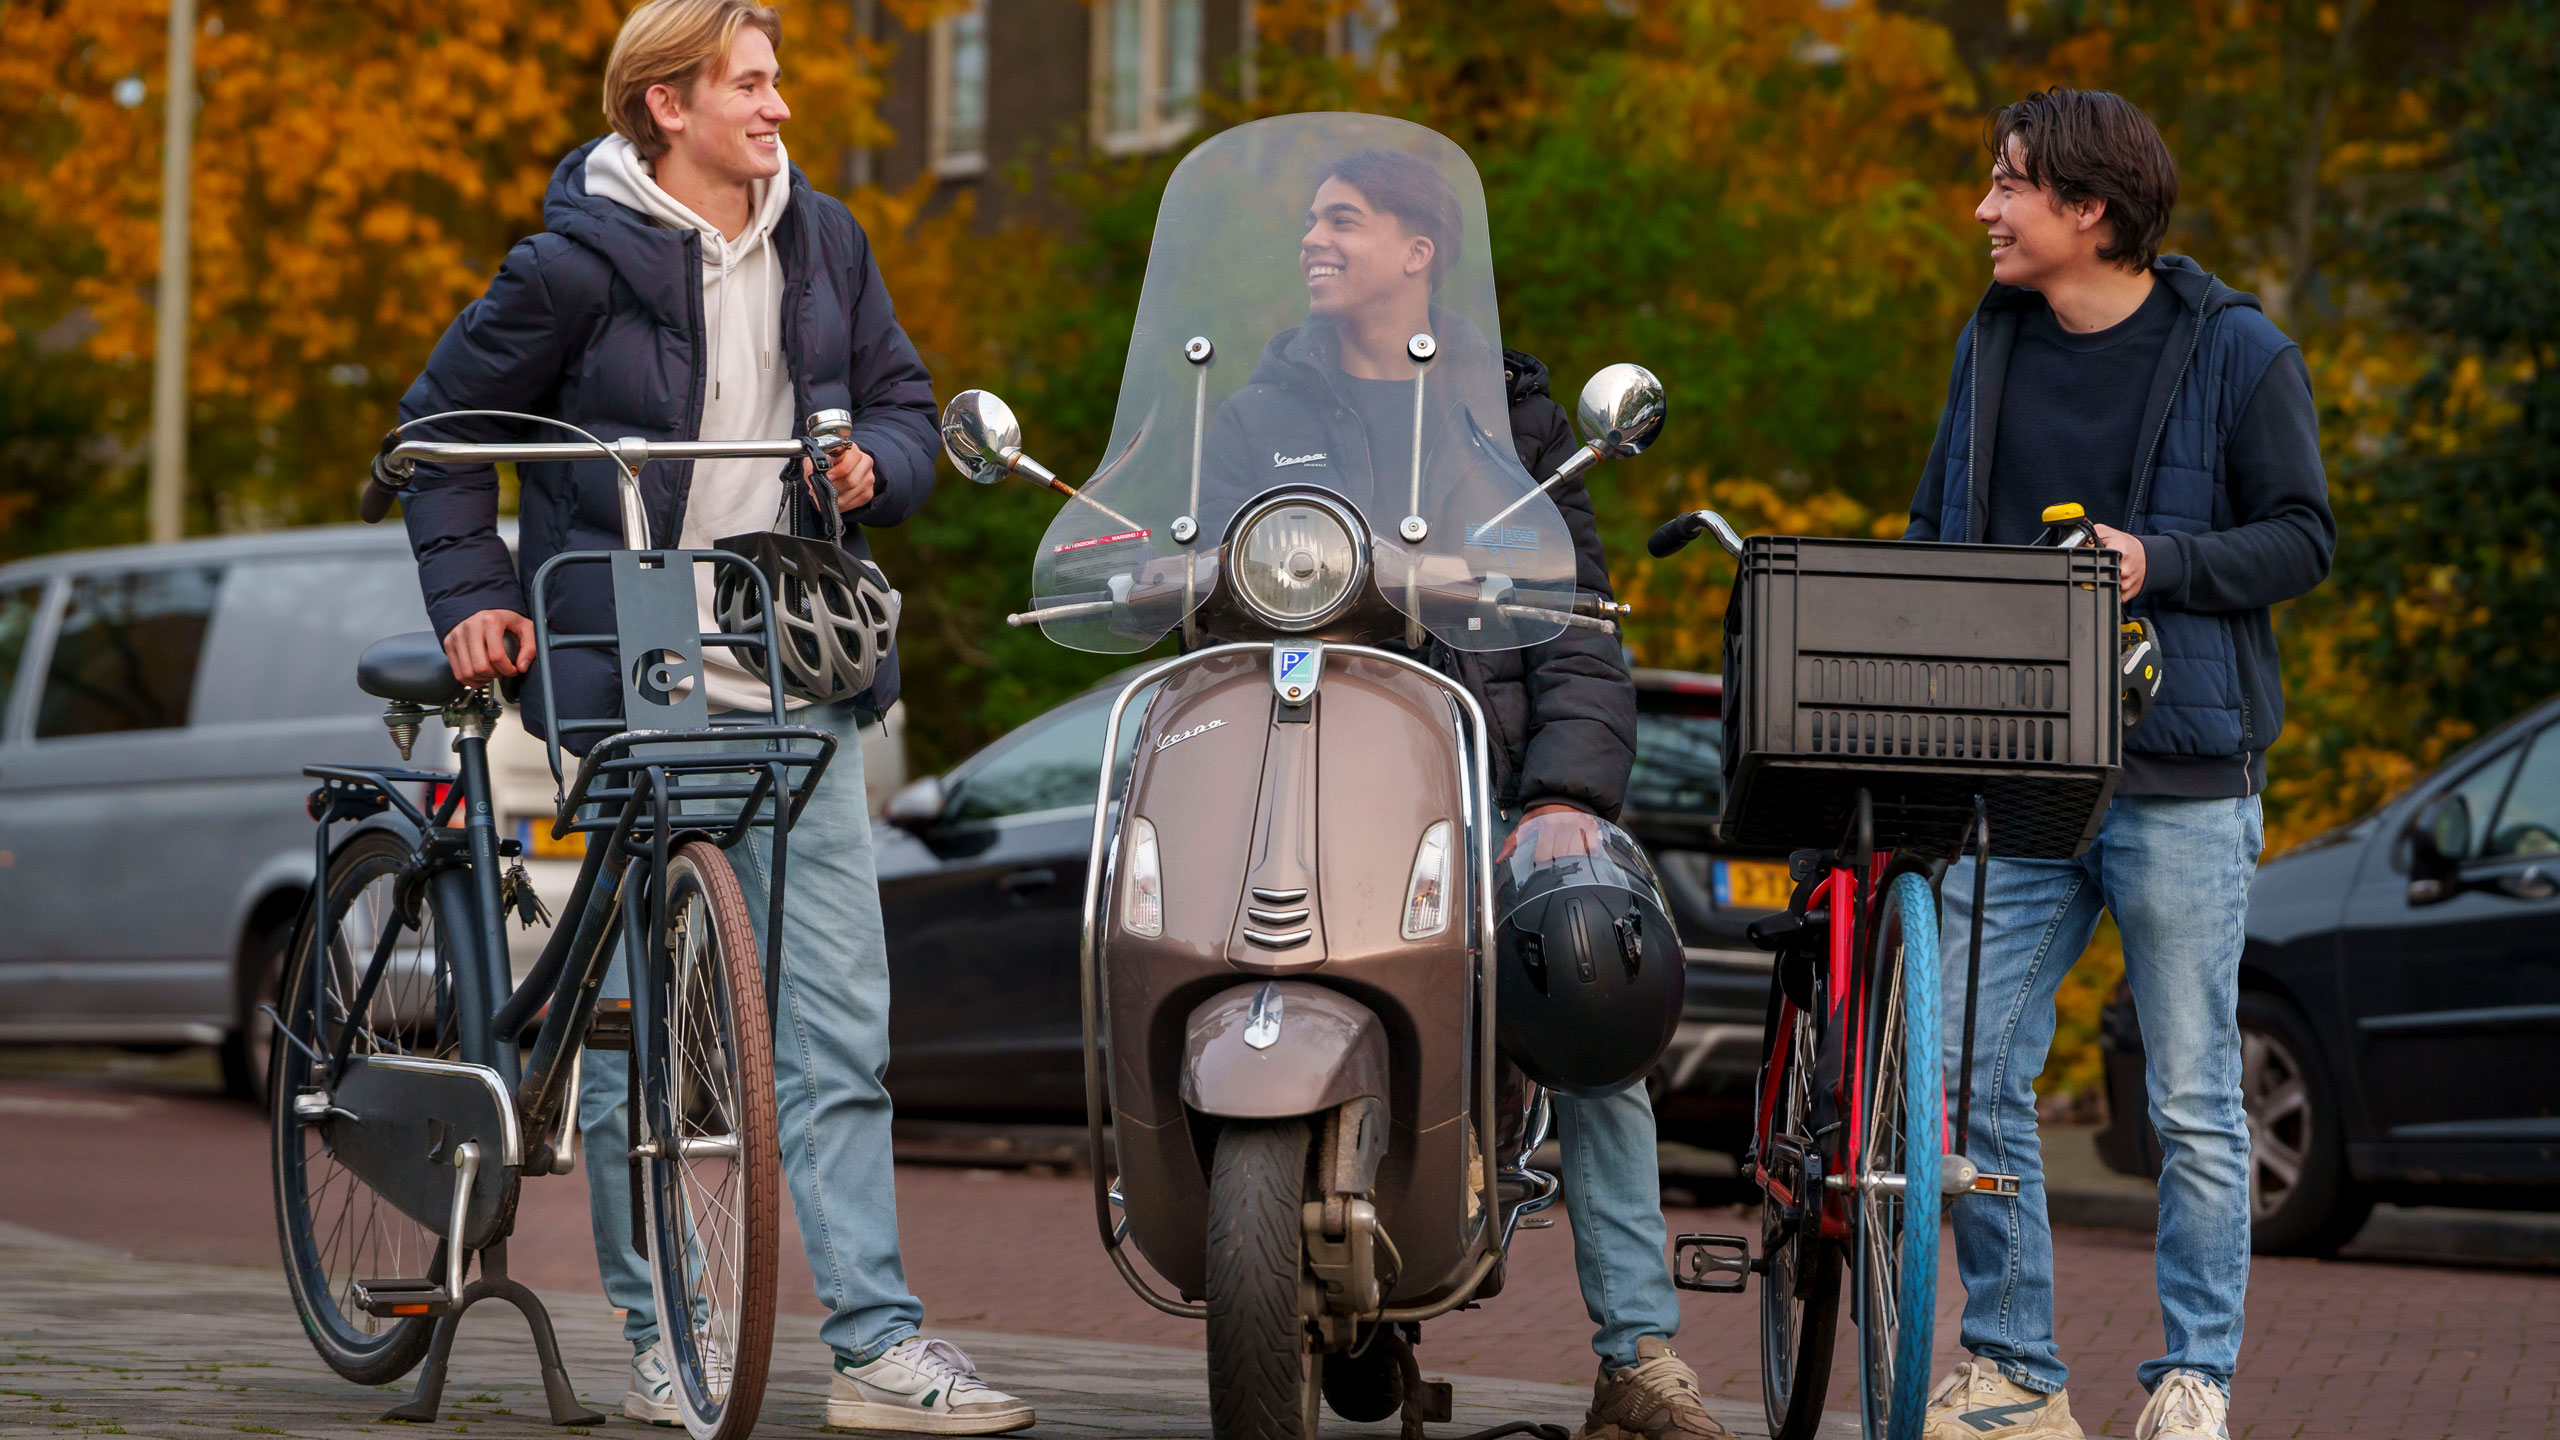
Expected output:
(1902, 1140)
(710, 1176)
(335, 1229)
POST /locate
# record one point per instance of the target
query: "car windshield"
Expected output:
(1679, 766)
(1318, 312)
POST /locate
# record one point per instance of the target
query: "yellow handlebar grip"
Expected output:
(2056, 514)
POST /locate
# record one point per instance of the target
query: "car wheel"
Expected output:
(2301, 1199)
(251, 1043)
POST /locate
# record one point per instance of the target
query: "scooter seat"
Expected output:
(408, 667)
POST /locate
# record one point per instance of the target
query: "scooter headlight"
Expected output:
(1296, 560)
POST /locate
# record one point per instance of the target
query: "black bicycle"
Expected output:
(414, 1089)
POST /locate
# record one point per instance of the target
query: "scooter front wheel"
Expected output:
(1264, 1377)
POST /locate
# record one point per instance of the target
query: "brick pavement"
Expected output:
(94, 1343)
(2333, 1348)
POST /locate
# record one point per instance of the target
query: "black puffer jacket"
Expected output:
(1562, 713)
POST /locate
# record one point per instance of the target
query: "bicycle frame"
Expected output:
(638, 793)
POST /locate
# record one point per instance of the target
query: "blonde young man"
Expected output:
(691, 285)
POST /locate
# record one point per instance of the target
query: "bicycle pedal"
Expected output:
(1987, 1183)
(400, 1299)
(1717, 1264)
(610, 1027)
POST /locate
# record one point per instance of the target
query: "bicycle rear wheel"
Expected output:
(334, 1228)
(1800, 1289)
(711, 1175)
(1904, 1139)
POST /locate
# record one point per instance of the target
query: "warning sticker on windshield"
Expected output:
(1123, 536)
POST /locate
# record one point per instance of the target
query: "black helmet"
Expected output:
(1591, 976)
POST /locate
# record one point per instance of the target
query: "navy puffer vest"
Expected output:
(2211, 701)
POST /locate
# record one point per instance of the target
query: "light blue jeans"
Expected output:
(1613, 1199)
(2175, 874)
(830, 1052)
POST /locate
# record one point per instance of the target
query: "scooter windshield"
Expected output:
(1318, 311)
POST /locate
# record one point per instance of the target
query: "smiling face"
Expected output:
(2034, 237)
(1358, 259)
(728, 127)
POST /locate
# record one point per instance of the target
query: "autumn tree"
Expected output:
(360, 170)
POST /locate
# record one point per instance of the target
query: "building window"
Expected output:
(1146, 81)
(958, 138)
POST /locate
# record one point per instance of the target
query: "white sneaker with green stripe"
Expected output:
(922, 1385)
(652, 1396)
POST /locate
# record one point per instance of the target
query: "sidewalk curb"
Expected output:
(2432, 1234)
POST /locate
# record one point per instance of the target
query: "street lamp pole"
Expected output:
(169, 345)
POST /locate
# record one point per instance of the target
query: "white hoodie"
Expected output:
(747, 393)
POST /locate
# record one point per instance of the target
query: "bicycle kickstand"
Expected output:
(494, 1283)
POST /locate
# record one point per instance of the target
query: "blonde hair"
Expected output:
(672, 43)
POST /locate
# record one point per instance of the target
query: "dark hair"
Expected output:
(2094, 145)
(1411, 190)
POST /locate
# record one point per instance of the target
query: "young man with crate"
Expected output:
(2097, 371)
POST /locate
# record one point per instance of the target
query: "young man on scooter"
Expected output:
(692, 285)
(2099, 372)
(1331, 403)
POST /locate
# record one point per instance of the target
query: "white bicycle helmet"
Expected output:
(836, 614)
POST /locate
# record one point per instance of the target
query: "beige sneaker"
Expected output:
(1656, 1398)
(2187, 1406)
(1977, 1402)
(922, 1385)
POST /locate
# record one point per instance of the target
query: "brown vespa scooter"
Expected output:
(1288, 923)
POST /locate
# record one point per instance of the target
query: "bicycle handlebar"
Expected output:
(1679, 530)
(631, 450)
(828, 432)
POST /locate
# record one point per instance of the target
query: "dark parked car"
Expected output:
(982, 887)
(2399, 1007)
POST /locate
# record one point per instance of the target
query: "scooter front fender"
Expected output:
(1328, 1049)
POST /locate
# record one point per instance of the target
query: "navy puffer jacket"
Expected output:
(598, 321)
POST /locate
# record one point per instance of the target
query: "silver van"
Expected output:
(157, 705)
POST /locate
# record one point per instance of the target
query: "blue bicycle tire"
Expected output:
(1914, 905)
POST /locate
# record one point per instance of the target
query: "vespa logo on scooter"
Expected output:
(1167, 742)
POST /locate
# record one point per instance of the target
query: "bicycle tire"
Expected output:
(333, 1228)
(1799, 1304)
(1904, 1133)
(708, 1082)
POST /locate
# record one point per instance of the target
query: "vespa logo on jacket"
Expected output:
(1167, 742)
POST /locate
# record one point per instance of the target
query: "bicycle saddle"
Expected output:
(408, 667)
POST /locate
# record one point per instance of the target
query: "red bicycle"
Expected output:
(1890, 707)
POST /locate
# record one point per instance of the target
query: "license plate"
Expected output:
(1753, 885)
(539, 844)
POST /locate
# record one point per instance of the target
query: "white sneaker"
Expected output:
(925, 1385)
(1977, 1402)
(652, 1396)
(2187, 1406)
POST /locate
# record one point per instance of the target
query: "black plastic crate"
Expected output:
(1926, 674)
